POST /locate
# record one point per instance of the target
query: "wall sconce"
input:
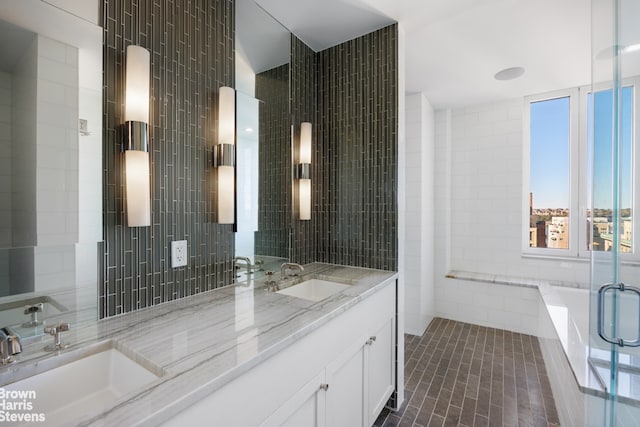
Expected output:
(303, 172)
(224, 155)
(136, 149)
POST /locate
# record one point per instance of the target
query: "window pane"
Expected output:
(549, 174)
(600, 111)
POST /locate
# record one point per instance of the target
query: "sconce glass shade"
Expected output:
(137, 85)
(226, 189)
(136, 156)
(225, 155)
(304, 198)
(226, 115)
(137, 188)
(305, 142)
(302, 172)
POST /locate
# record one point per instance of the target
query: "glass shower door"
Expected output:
(615, 281)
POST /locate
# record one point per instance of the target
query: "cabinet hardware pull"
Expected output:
(324, 387)
(370, 341)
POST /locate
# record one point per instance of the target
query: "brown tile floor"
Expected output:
(458, 374)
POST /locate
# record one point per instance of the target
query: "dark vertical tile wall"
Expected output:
(304, 108)
(192, 55)
(357, 152)
(274, 187)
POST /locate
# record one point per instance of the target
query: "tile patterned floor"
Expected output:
(458, 374)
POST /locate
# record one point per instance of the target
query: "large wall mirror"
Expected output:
(50, 163)
(263, 135)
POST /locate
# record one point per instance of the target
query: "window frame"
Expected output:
(574, 166)
(581, 172)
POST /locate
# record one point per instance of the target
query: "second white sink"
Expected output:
(86, 386)
(313, 289)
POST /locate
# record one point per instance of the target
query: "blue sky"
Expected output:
(549, 179)
(602, 148)
(550, 153)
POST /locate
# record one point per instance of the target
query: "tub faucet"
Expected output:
(247, 261)
(9, 346)
(289, 266)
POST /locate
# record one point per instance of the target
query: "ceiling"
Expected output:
(260, 40)
(455, 47)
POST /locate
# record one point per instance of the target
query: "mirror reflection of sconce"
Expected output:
(136, 148)
(224, 155)
(303, 172)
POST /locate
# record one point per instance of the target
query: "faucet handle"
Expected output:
(56, 332)
(33, 310)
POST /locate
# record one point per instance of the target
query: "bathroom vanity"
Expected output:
(239, 355)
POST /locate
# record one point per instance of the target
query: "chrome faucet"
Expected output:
(9, 346)
(56, 332)
(247, 261)
(289, 266)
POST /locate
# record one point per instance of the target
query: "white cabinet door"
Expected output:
(381, 369)
(346, 380)
(305, 408)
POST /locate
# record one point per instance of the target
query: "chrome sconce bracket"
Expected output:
(302, 171)
(224, 155)
(136, 136)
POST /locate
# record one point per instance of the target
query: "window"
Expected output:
(549, 201)
(562, 151)
(552, 173)
(599, 109)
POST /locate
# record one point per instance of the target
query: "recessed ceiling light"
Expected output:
(248, 130)
(509, 73)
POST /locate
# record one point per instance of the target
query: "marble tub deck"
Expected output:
(200, 343)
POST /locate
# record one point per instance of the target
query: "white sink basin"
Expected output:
(313, 289)
(84, 387)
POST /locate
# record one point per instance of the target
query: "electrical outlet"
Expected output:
(178, 253)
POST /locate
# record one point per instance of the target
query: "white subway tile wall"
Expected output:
(57, 153)
(479, 217)
(23, 134)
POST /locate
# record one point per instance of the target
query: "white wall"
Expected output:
(479, 199)
(57, 142)
(245, 77)
(23, 140)
(89, 176)
(57, 159)
(419, 214)
(85, 9)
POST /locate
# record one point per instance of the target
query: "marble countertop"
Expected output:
(200, 343)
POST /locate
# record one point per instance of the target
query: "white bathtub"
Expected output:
(564, 340)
